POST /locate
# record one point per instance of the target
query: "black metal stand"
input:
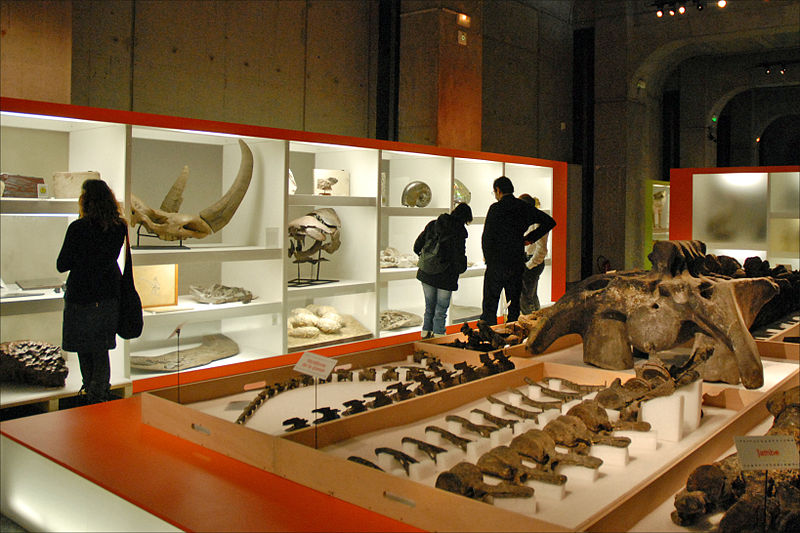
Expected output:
(309, 282)
(145, 233)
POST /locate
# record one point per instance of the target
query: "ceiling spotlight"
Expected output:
(768, 70)
(700, 5)
(659, 13)
(722, 3)
(782, 70)
(671, 12)
(682, 9)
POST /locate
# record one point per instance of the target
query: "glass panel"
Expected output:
(784, 193)
(730, 210)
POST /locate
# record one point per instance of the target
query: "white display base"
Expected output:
(58, 492)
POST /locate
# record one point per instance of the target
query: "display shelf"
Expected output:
(429, 212)
(202, 253)
(337, 288)
(189, 308)
(313, 200)
(245, 354)
(39, 206)
(33, 301)
(15, 394)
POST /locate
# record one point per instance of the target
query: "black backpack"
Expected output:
(431, 260)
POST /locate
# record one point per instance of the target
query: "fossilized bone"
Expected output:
(320, 225)
(467, 479)
(653, 311)
(170, 225)
(506, 463)
(431, 450)
(540, 447)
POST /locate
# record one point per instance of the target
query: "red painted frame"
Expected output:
(559, 211)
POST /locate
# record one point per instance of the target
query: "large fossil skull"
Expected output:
(320, 225)
(170, 225)
(653, 311)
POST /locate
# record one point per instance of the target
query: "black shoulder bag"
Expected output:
(131, 322)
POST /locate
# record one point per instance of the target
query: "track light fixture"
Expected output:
(679, 6)
(777, 67)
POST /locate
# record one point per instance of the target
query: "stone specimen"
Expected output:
(70, 184)
(724, 486)
(461, 194)
(394, 258)
(310, 321)
(220, 294)
(32, 363)
(170, 225)
(394, 319)
(467, 479)
(212, 348)
(416, 194)
(323, 226)
(16, 186)
(647, 312)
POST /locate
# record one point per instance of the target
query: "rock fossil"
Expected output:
(32, 363)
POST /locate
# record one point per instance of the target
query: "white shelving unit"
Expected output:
(142, 155)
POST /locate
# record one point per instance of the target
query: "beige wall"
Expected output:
(35, 49)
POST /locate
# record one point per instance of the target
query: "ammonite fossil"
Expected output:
(416, 194)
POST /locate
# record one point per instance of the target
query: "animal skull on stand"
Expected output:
(320, 224)
(170, 225)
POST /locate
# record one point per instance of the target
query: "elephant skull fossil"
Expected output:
(170, 225)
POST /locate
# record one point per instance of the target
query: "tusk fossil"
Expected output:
(221, 212)
(174, 198)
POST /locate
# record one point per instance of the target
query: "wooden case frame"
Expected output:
(293, 456)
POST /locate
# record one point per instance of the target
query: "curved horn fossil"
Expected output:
(170, 225)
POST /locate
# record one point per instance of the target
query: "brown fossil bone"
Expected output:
(170, 225)
(506, 463)
(323, 226)
(467, 479)
(653, 311)
(540, 447)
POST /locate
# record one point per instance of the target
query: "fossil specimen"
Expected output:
(496, 420)
(467, 479)
(394, 258)
(539, 404)
(724, 486)
(353, 407)
(461, 442)
(212, 348)
(295, 423)
(362, 461)
(596, 418)
(514, 410)
(403, 458)
(323, 226)
(540, 447)
(416, 194)
(653, 311)
(431, 450)
(220, 294)
(170, 225)
(479, 429)
(32, 362)
(394, 319)
(506, 463)
(461, 194)
(380, 398)
(326, 414)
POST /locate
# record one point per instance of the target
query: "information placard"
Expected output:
(315, 365)
(767, 452)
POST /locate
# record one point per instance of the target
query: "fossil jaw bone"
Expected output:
(170, 225)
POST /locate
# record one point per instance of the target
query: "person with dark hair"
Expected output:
(505, 234)
(91, 302)
(535, 254)
(443, 257)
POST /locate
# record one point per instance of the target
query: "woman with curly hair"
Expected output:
(91, 302)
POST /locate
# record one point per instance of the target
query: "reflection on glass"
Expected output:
(730, 209)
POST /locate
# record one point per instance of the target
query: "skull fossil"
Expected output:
(320, 225)
(170, 225)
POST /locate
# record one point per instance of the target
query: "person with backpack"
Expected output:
(441, 248)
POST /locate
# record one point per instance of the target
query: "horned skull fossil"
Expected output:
(320, 225)
(653, 311)
(170, 225)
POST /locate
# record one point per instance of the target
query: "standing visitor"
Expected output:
(535, 254)
(91, 302)
(442, 250)
(505, 234)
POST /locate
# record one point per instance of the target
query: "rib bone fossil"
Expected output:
(170, 225)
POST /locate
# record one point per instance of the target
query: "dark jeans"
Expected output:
(529, 300)
(96, 374)
(496, 280)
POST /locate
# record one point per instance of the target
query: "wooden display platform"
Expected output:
(733, 411)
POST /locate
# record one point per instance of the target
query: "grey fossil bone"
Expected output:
(170, 225)
(467, 479)
(212, 348)
(480, 429)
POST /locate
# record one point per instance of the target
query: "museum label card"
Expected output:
(315, 365)
(767, 452)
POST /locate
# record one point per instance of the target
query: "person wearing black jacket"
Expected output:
(503, 242)
(91, 302)
(438, 287)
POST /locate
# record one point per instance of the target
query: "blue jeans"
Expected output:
(436, 303)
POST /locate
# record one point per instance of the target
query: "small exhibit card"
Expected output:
(767, 452)
(315, 365)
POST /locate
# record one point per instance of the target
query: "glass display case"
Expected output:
(261, 250)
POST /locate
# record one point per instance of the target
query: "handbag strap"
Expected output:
(128, 260)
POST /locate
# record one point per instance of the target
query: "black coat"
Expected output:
(453, 246)
(503, 239)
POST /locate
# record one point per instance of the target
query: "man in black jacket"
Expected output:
(503, 244)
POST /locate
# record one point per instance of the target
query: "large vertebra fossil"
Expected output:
(653, 311)
(170, 225)
(320, 224)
